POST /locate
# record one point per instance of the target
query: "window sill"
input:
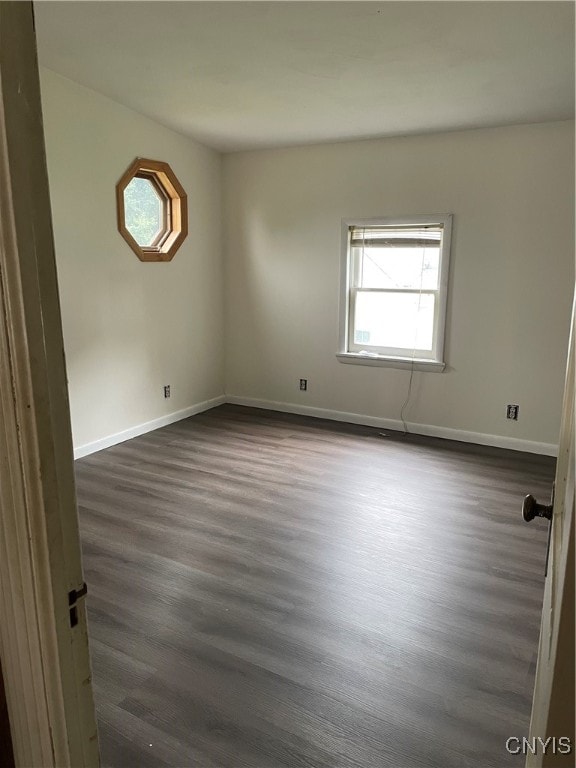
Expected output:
(417, 364)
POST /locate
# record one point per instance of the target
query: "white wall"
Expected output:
(511, 191)
(130, 327)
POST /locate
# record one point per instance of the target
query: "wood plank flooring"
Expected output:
(269, 590)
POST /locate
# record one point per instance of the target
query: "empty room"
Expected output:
(302, 491)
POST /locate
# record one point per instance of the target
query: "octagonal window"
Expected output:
(152, 210)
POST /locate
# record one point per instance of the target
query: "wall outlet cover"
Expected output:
(512, 412)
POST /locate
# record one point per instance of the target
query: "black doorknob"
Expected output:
(531, 509)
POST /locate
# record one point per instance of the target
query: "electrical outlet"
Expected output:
(303, 385)
(167, 390)
(512, 412)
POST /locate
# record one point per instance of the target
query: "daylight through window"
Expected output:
(145, 210)
(396, 290)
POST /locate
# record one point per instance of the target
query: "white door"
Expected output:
(43, 638)
(553, 704)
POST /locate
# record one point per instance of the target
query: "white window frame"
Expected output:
(349, 352)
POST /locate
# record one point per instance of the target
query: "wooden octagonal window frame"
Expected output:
(175, 209)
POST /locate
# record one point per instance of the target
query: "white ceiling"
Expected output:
(240, 75)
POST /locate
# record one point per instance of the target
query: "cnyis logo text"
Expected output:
(553, 745)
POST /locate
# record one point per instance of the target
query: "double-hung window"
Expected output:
(395, 283)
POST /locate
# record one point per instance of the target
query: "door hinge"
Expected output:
(73, 597)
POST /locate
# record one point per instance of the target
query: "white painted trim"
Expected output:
(347, 281)
(497, 441)
(147, 426)
(45, 660)
(416, 364)
(480, 438)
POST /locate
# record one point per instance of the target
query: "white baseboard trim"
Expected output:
(148, 426)
(480, 438)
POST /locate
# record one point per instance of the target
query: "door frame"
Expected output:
(45, 659)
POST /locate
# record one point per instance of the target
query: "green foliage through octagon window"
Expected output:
(144, 210)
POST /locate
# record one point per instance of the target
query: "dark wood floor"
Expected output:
(270, 590)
